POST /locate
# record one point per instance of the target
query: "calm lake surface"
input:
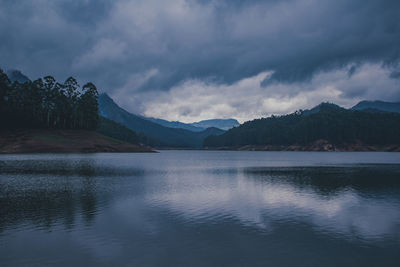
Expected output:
(200, 208)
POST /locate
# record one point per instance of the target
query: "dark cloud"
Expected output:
(86, 13)
(143, 45)
(395, 75)
(352, 70)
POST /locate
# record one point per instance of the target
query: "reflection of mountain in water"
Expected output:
(356, 202)
(359, 201)
(331, 180)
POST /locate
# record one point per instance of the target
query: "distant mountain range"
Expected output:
(175, 124)
(158, 135)
(366, 126)
(223, 124)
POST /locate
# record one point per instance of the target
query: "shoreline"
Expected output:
(318, 146)
(57, 141)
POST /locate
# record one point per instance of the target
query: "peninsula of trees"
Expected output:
(47, 116)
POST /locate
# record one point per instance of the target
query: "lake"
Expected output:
(200, 208)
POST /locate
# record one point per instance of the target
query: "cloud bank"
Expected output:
(198, 59)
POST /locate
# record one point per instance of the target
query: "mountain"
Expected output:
(324, 105)
(161, 136)
(326, 127)
(176, 124)
(117, 131)
(224, 124)
(377, 106)
(16, 75)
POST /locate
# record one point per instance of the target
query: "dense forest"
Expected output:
(45, 103)
(327, 121)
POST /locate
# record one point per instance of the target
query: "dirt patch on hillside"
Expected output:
(62, 141)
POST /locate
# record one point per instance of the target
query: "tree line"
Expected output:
(46, 103)
(330, 122)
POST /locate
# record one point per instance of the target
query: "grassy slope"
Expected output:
(117, 131)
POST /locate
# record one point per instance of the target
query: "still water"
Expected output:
(200, 208)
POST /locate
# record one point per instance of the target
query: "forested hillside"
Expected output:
(44, 116)
(115, 130)
(329, 122)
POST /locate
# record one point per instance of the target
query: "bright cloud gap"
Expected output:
(247, 99)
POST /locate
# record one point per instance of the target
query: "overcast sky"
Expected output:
(201, 59)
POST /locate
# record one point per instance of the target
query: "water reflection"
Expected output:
(329, 180)
(47, 203)
(334, 200)
(190, 209)
(66, 167)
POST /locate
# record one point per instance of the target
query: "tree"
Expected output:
(71, 90)
(50, 92)
(4, 88)
(89, 107)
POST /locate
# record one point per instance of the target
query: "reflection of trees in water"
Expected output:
(331, 180)
(43, 208)
(83, 167)
(46, 200)
(46, 208)
(47, 192)
(88, 200)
